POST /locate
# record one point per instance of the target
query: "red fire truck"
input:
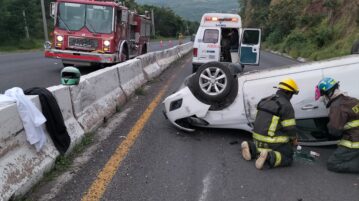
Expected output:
(93, 32)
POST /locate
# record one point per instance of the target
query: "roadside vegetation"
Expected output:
(21, 26)
(314, 29)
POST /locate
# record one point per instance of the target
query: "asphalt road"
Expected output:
(32, 69)
(167, 164)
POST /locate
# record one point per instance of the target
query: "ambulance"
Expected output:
(221, 37)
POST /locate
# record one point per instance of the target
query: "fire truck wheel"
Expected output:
(124, 55)
(144, 50)
(66, 64)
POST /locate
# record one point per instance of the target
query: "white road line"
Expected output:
(207, 181)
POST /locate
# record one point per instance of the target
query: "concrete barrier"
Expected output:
(185, 48)
(63, 97)
(166, 57)
(131, 76)
(84, 107)
(150, 66)
(20, 165)
(96, 97)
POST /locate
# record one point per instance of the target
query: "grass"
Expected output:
(319, 36)
(140, 91)
(23, 45)
(118, 108)
(62, 164)
(339, 44)
(154, 80)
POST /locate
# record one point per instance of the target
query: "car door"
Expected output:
(311, 115)
(262, 84)
(347, 75)
(250, 46)
(209, 45)
(313, 131)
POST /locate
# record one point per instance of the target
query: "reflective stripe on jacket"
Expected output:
(349, 144)
(275, 121)
(344, 120)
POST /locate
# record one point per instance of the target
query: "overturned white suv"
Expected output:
(218, 95)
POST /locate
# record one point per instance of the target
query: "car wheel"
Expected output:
(355, 47)
(213, 82)
(194, 68)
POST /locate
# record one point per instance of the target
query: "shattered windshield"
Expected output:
(73, 17)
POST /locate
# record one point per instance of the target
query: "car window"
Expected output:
(250, 37)
(312, 130)
(210, 36)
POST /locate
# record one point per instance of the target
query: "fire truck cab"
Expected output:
(93, 32)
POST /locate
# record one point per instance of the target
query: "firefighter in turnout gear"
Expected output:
(274, 131)
(344, 123)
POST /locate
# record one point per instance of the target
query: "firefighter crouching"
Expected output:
(344, 123)
(274, 131)
(180, 38)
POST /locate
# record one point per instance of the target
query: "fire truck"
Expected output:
(94, 32)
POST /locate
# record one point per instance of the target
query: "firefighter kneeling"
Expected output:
(344, 123)
(274, 131)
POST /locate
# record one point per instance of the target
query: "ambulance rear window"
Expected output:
(211, 36)
(251, 37)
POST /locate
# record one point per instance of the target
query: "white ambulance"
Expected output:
(220, 37)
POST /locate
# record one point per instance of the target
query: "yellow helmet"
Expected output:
(289, 84)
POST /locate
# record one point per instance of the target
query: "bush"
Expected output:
(309, 20)
(274, 38)
(23, 44)
(298, 44)
(289, 28)
(295, 40)
(322, 35)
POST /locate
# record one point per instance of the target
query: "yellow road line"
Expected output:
(99, 186)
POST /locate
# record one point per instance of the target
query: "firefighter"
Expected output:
(344, 123)
(180, 38)
(274, 131)
(225, 46)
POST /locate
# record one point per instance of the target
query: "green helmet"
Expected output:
(70, 76)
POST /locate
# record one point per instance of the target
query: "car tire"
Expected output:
(66, 64)
(195, 67)
(212, 82)
(355, 47)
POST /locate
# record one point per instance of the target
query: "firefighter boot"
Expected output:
(246, 153)
(261, 159)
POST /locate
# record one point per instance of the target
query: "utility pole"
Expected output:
(26, 28)
(44, 20)
(153, 23)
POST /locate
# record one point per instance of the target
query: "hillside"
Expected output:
(194, 9)
(315, 29)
